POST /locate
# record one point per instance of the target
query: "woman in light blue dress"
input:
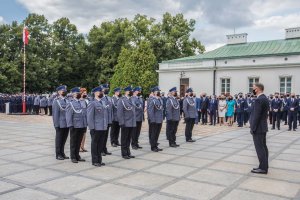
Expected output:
(230, 110)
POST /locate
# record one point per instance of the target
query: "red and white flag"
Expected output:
(25, 35)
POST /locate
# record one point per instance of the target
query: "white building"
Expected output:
(233, 68)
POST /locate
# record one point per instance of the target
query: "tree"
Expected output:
(136, 66)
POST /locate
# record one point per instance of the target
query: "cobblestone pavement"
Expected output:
(215, 167)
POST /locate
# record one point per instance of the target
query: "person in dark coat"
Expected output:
(155, 115)
(60, 122)
(115, 127)
(190, 114)
(97, 119)
(259, 128)
(77, 123)
(292, 104)
(173, 116)
(127, 121)
(138, 103)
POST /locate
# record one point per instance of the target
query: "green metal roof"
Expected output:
(251, 49)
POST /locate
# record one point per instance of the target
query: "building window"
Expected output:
(225, 85)
(285, 84)
(251, 82)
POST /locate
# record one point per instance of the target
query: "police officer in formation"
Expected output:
(127, 121)
(190, 113)
(77, 123)
(60, 123)
(155, 115)
(173, 116)
(36, 105)
(97, 119)
(50, 102)
(138, 103)
(115, 127)
(108, 102)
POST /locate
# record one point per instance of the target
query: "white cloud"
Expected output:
(264, 19)
(1, 20)
(279, 22)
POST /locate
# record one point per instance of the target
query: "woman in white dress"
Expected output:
(222, 105)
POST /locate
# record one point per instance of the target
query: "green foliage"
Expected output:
(120, 52)
(136, 67)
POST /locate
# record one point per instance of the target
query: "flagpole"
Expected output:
(24, 78)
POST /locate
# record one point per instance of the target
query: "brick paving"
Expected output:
(217, 166)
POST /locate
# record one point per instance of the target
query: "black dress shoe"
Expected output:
(107, 153)
(66, 157)
(126, 157)
(173, 145)
(114, 145)
(134, 147)
(139, 147)
(159, 149)
(255, 168)
(190, 140)
(130, 156)
(103, 154)
(60, 158)
(74, 161)
(154, 150)
(81, 160)
(259, 171)
(177, 145)
(97, 164)
(102, 164)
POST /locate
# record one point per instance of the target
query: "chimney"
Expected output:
(292, 33)
(237, 38)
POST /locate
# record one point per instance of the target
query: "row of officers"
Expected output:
(35, 103)
(126, 112)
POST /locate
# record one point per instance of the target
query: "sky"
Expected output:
(261, 19)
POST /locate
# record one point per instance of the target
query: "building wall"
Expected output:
(200, 73)
(200, 81)
(270, 77)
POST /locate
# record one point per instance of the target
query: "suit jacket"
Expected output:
(59, 112)
(204, 103)
(292, 104)
(259, 115)
(173, 109)
(115, 101)
(97, 115)
(139, 107)
(213, 105)
(76, 114)
(276, 104)
(155, 110)
(126, 112)
(189, 107)
(108, 103)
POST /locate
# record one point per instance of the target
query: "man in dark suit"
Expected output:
(292, 104)
(213, 108)
(276, 105)
(204, 107)
(259, 128)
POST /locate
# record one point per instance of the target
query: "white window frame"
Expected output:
(227, 88)
(255, 79)
(285, 87)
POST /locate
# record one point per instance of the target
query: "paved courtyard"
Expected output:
(215, 167)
